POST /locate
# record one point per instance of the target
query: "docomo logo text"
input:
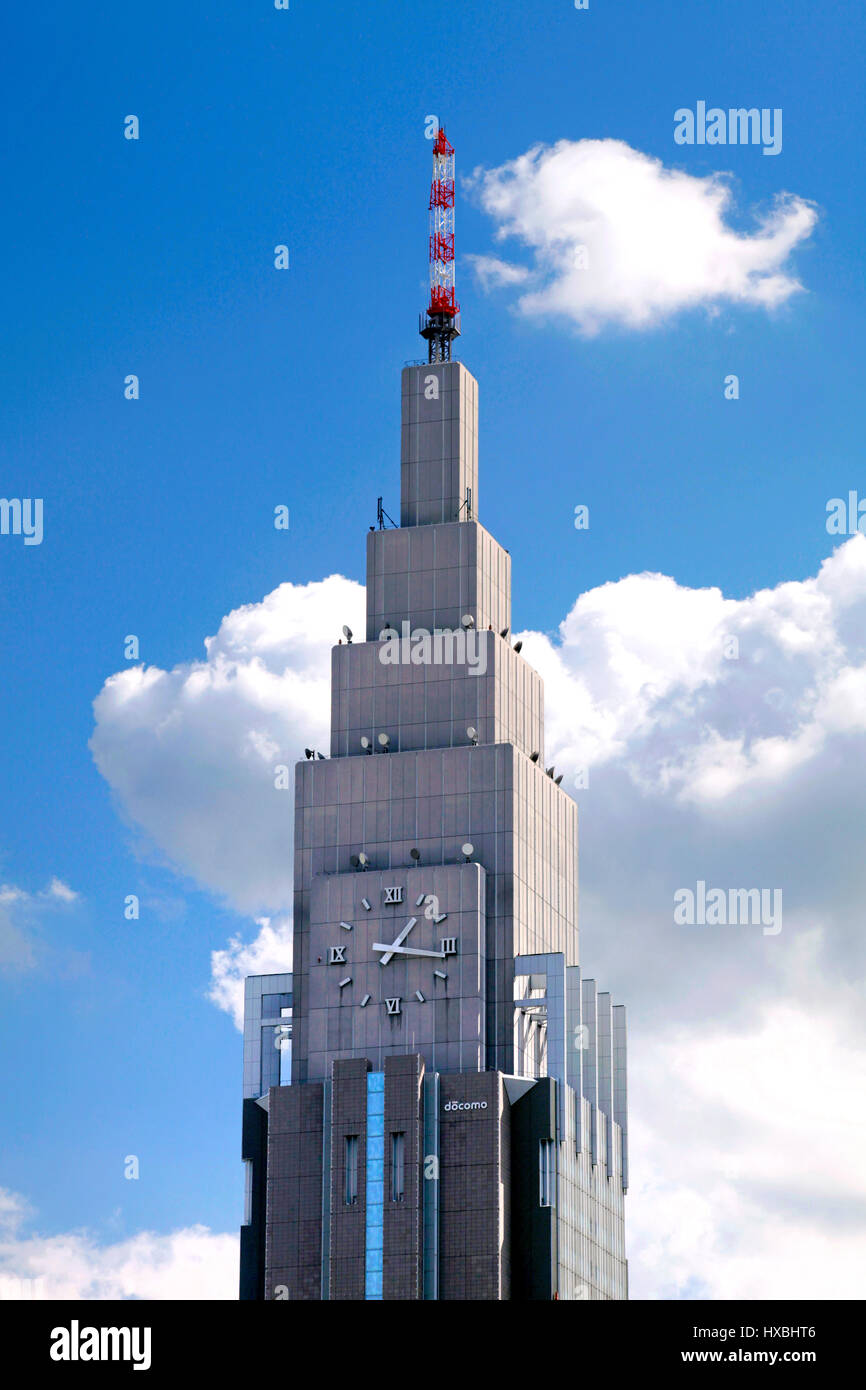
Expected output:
(465, 1105)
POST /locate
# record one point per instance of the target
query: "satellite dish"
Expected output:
(354, 861)
(467, 620)
(518, 646)
(472, 734)
(363, 860)
(415, 853)
(384, 740)
(347, 633)
(365, 742)
(467, 850)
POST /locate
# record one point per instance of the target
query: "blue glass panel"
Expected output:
(375, 1187)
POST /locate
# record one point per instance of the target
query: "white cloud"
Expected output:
(14, 1210)
(191, 753)
(270, 953)
(10, 894)
(748, 1171)
(742, 772)
(193, 1263)
(617, 238)
(492, 273)
(677, 684)
(58, 889)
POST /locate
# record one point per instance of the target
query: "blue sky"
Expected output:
(258, 387)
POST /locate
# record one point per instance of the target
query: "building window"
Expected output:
(398, 1167)
(351, 1169)
(283, 1044)
(248, 1192)
(545, 1173)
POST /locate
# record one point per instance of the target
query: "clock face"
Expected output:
(396, 957)
(416, 945)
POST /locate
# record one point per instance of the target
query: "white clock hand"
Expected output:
(389, 950)
(405, 951)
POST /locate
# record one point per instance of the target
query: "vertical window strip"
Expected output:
(545, 1172)
(351, 1169)
(375, 1189)
(398, 1167)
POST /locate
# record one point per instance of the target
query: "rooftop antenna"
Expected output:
(442, 323)
(382, 516)
(467, 503)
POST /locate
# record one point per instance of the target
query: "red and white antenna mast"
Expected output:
(441, 325)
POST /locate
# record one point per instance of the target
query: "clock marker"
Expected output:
(365, 904)
(347, 981)
(419, 900)
(365, 1000)
(441, 973)
(420, 996)
(441, 917)
(347, 926)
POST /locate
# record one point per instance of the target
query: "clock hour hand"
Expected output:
(389, 950)
(404, 951)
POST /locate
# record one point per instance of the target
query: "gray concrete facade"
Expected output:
(439, 444)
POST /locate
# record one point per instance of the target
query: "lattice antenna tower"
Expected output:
(441, 323)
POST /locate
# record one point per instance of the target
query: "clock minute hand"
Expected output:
(405, 951)
(389, 950)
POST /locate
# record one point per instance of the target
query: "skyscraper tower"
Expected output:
(435, 1098)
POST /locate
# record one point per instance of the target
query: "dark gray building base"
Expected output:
(466, 1217)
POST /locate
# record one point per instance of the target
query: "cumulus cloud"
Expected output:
(722, 740)
(193, 1263)
(747, 1172)
(617, 238)
(269, 953)
(192, 753)
(704, 738)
